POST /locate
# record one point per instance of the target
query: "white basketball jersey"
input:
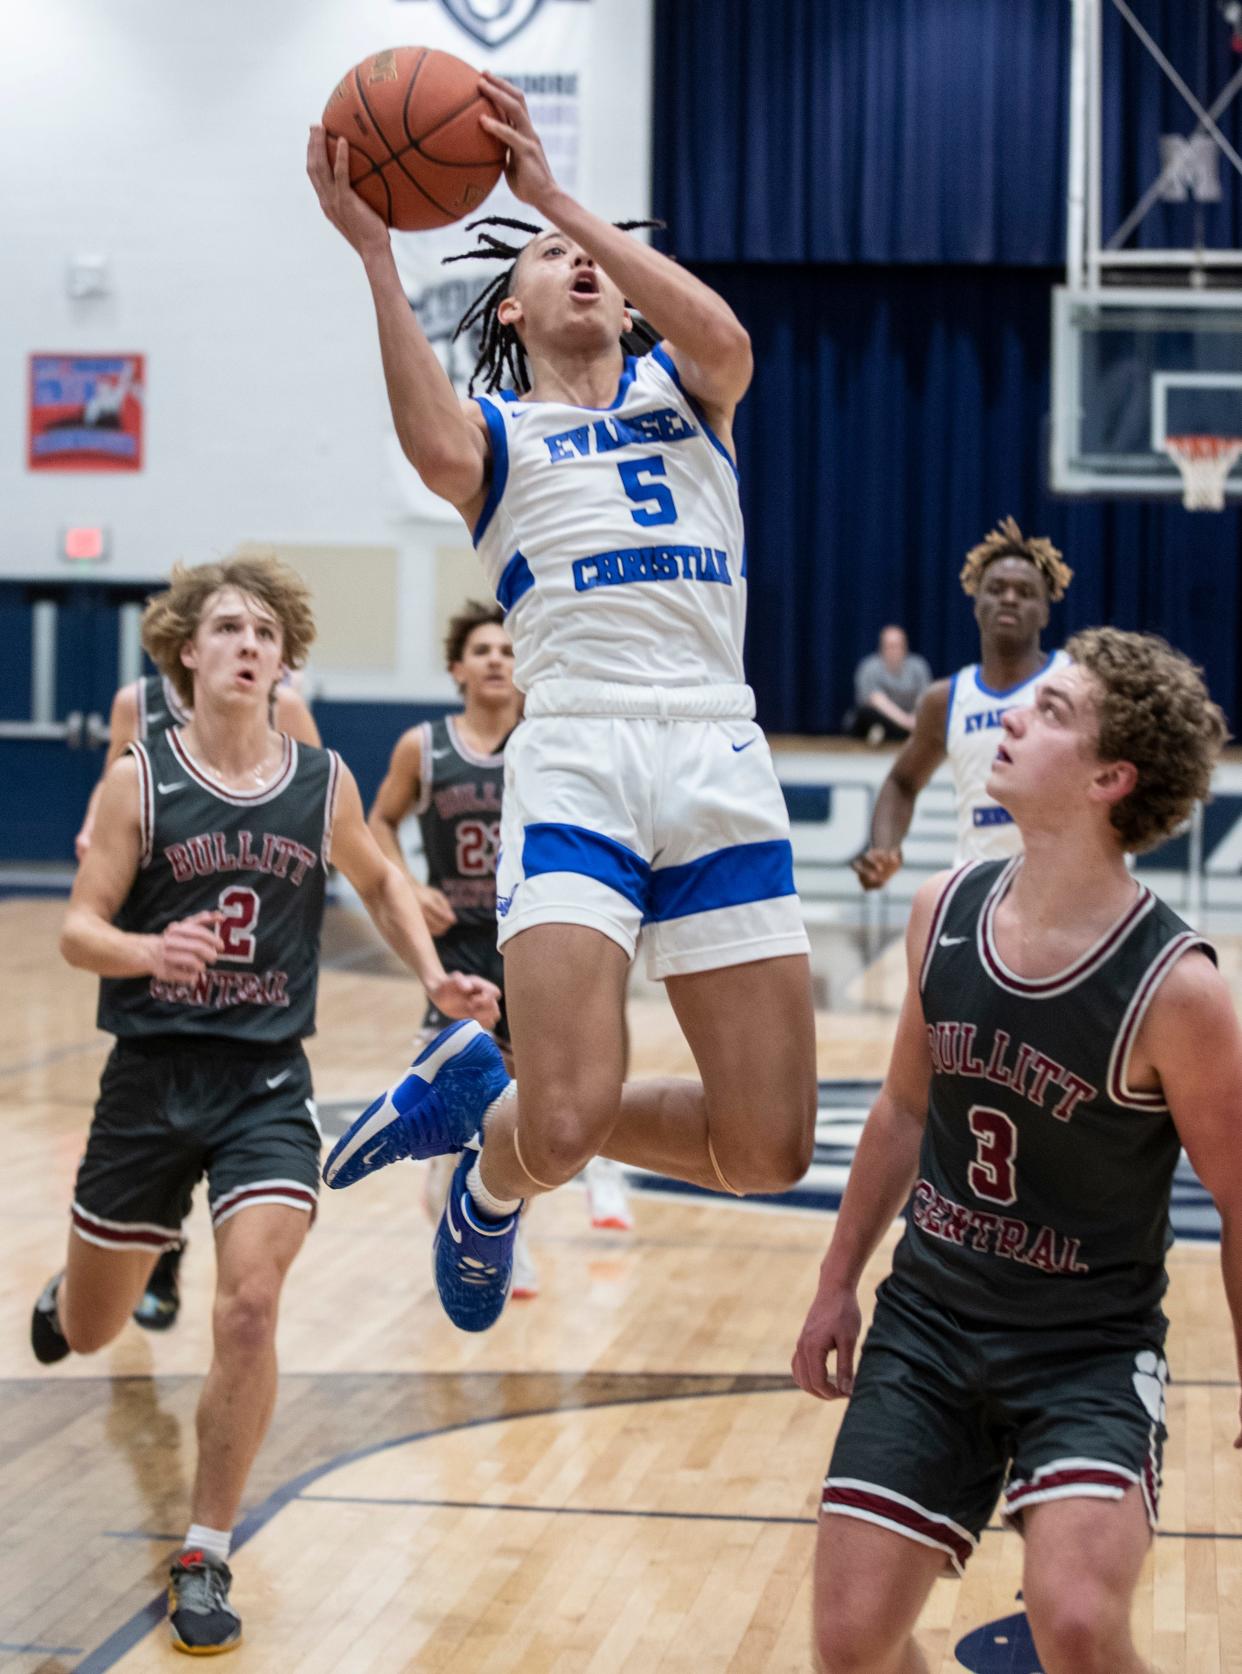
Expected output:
(613, 536)
(972, 733)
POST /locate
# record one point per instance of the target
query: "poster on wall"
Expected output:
(585, 68)
(85, 412)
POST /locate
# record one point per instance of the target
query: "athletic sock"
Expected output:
(215, 1542)
(493, 1208)
(509, 1093)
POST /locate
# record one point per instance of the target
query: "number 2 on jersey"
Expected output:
(240, 909)
(654, 499)
(992, 1175)
(477, 842)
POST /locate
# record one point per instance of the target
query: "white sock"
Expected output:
(215, 1542)
(509, 1093)
(495, 1208)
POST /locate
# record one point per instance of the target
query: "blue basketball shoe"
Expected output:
(472, 1257)
(433, 1111)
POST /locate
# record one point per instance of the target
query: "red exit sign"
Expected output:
(85, 543)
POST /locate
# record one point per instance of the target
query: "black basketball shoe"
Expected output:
(200, 1617)
(160, 1303)
(46, 1337)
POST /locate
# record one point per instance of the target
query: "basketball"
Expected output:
(417, 153)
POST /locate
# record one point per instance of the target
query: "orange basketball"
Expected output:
(416, 151)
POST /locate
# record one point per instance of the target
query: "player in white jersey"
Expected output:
(1012, 579)
(639, 793)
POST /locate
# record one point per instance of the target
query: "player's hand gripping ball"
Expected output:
(417, 152)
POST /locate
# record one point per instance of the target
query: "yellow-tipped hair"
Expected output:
(1008, 541)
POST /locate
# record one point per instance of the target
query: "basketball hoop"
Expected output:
(1205, 462)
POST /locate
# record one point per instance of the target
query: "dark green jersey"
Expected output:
(459, 816)
(1044, 1178)
(259, 860)
(159, 707)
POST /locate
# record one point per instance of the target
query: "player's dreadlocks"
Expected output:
(501, 351)
(1008, 541)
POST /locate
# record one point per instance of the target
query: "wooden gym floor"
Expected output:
(620, 1478)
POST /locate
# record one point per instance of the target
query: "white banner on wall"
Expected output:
(585, 67)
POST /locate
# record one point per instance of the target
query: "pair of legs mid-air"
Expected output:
(607, 1194)
(1080, 1568)
(747, 1126)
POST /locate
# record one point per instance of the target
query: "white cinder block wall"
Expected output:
(169, 137)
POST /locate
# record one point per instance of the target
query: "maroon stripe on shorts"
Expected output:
(295, 1194)
(878, 1504)
(1078, 1477)
(122, 1236)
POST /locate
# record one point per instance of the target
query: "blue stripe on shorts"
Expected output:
(731, 877)
(552, 847)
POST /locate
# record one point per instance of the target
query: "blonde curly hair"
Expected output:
(1008, 541)
(171, 618)
(1155, 712)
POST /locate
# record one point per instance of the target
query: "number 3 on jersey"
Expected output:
(991, 1175)
(654, 499)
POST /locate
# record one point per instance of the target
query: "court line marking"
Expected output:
(131, 1632)
(674, 1516)
(40, 1650)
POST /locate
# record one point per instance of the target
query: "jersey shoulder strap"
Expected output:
(957, 911)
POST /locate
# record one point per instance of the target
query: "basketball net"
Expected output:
(1205, 462)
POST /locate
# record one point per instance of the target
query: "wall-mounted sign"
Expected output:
(86, 412)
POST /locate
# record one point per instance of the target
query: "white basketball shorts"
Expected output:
(649, 809)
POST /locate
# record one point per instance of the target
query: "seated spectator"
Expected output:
(887, 687)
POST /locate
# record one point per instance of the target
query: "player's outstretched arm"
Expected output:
(388, 895)
(917, 760)
(707, 340)
(444, 440)
(396, 796)
(881, 1178)
(1191, 1044)
(88, 938)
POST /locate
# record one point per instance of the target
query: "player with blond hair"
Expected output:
(199, 904)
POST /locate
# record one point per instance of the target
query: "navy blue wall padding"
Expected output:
(365, 732)
(895, 416)
(912, 130)
(878, 187)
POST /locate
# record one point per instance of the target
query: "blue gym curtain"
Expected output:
(814, 159)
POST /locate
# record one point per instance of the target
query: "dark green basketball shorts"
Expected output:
(948, 1414)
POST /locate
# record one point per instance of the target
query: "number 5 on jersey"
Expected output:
(654, 499)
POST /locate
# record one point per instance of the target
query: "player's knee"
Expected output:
(766, 1155)
(245, 1318)
(557, 1147)
(1075, 1627)
(562, 1133)
(850, 1644)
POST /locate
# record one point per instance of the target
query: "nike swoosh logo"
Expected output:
(738, 748)
(448, 1219)
(167, 790)
(373, 1152)
(438, 755)
(951, 941)
(274, 1081)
